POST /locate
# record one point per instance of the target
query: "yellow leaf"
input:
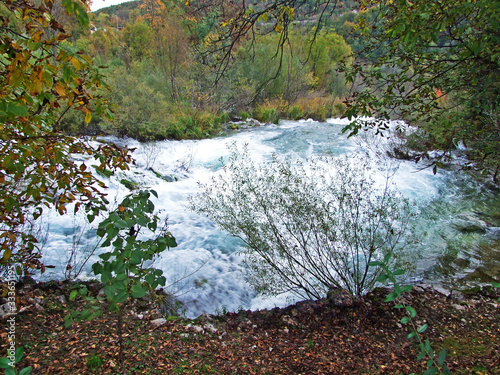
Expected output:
(59, 89)
(88, 116)
(76, 63)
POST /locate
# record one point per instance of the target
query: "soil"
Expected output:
(311, 337)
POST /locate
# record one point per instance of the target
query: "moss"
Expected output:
(468, 346)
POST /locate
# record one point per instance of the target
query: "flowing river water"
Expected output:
(457, 230)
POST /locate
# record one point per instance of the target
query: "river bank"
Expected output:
(309, 337)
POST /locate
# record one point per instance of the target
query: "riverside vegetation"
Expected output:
(180, 70)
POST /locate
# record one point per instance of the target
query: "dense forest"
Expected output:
(177, 71)
(156, 70)
(163, 78)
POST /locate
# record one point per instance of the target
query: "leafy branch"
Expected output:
(434, 365)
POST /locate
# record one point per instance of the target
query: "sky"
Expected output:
(98, 4)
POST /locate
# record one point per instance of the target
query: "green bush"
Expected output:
(295, 112)
(308, 228)
(267, 115)
(244, 115)
(194, 126)
(338, 108)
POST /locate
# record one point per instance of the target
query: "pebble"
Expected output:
(196, 328)
(158, 322)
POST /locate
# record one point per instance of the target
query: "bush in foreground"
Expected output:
(309, 227)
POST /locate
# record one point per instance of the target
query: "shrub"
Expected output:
(244, 115)
(267, 115)
(339, 108)
(307, 228)
(316, 107)
(294, 113)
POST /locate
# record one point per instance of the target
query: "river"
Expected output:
(458, 226)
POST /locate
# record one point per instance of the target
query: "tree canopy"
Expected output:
(41, 79)
(432, 63)
(436, 65)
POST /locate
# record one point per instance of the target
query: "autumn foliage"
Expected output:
(41, 79)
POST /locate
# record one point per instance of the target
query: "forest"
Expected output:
(76, 86)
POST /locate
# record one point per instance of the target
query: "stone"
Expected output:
(196, 328)
(339, 297)
(158, 322)
(442, 290)
(470, 223)
(457, 296)
(5, 310)
(209, 327)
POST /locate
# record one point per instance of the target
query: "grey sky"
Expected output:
(98, 4)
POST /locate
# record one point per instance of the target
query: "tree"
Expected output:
(41, 79)
(240, 21)
(307, 228)
(171, 52)
(437, 67)
(433, 63)
(124, 271)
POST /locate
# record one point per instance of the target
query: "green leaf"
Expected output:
(18, 354)
(112, 231)
(422, 353)
(152, 226)
(405, 320)
(406, 288)
(121, 277)
(411, 311)
(411, 335)
(68, 321)
(429, 348)
(382, 278)
(4, 362)
(121, 297)
(136, 257)
(10, 371)
(431, 371)
(442, 358)
(375, 264)
(122, 224)
(161, 280)
(25, 371)
(422, 328)
(18, 109)
(73, 295)
(138, 291)
(391, 297)
(150, 278)
(105, 256)
(171, 241)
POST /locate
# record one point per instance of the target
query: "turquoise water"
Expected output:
(457, 229)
